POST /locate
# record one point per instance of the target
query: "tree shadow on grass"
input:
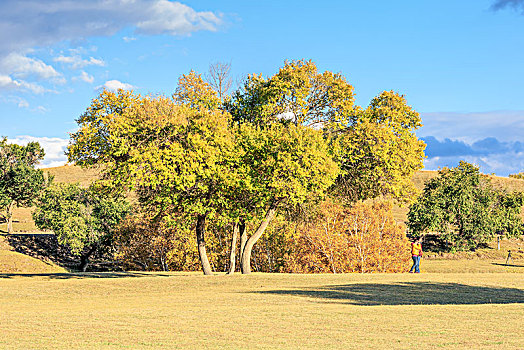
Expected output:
(408, 293)
(45, 247)
(508, 265)
(84, 275)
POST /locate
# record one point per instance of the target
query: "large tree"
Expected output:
(463, 207)
(376, 148)
(82, 219)
(20, 182)
(297, 92)
(174, 152)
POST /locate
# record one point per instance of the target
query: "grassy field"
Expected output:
(468, 301)
(262, 311)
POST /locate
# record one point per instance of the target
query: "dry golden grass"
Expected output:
(14, 262)
(73, 174)
(262, 311)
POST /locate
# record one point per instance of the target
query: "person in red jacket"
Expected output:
(416, 254)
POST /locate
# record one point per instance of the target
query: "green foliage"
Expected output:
(176, 153)
(298, 92)
(463, 207)
(277, 143)
(171, 153)
(379, 152)
(517, 176)
(194, 92)
(284, 164)
(82, 219)
(376, 148)
(20, 182)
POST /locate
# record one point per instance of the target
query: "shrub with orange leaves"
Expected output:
(362, 238)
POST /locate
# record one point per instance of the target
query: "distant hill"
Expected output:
(72, 174)
(75, 174)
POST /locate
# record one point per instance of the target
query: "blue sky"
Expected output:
(459, 63)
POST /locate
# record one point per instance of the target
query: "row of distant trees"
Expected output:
(285, 174)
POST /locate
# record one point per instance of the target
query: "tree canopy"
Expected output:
(20, 182)
(464, 208)
(277, 143)
(82, 219)
(379, 151)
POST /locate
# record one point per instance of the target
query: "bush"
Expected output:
(149, 244)
(362, 238)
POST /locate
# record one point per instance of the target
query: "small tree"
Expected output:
(20, 182)
(219, 78)
(463, 207)
(82, 219)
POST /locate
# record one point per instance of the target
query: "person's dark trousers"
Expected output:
(416, 264)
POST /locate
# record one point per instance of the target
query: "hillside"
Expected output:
(72, 174)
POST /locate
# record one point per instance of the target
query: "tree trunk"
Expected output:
(232, 255)
(243, 240)
(246, 254)
(10, 208)
(84, 258)
(201, 243)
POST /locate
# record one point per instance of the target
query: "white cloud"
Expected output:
(85, 77)
(40, 109)
(468, 127)
(16, 69)
(114, 85)
(27, 24)
(128, 39)
(500, 164)
(54, 148)
(491, 140)
(77, 61)
(18, 65)
(162, 16)
(7, 83)
(22, 103)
